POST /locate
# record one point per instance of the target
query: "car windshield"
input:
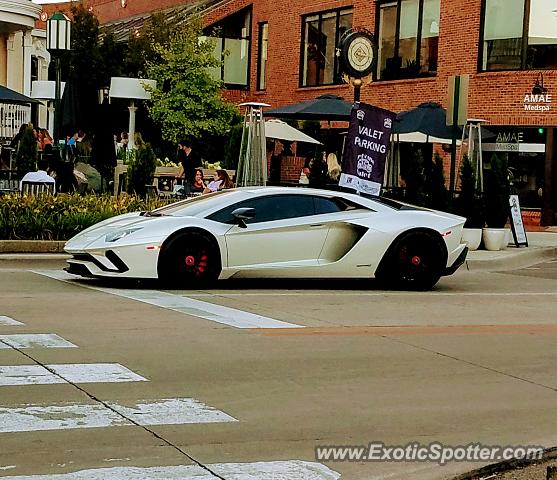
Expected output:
(190, 207)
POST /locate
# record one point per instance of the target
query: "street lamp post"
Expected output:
(58, 39)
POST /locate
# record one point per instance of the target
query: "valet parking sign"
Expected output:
(365, 151)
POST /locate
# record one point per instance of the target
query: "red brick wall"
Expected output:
(496, 97)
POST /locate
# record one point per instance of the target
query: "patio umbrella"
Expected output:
(282, 131)
(428, 118)
(70, 109)
(11, 96)
(325, 107)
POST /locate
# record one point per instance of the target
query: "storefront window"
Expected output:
(542, 34)
(262, 57)
(408, 38)
(232, 40)
(321, 34)
(511, 43)
(524, 151)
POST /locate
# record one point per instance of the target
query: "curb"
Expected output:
(519, 259)
(506, 466)
(31, 246)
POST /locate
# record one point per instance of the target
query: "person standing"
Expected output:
(189, 159)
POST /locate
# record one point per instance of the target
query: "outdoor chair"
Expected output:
(37, 188)
(9, 186)
(152, 191)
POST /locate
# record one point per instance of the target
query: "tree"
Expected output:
(469, 203)
(142, 49)
(415, 179)
(435, 187)
(112, 54)
(26, 155)
(142, 167)
(86, 63)
(187, 101)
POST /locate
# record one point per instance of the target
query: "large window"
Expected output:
(232, 40)
(321, 33)
(262, 56)
(519, 34)
(408, 38)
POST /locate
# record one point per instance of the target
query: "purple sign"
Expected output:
(365, 149)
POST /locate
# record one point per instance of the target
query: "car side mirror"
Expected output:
(242, 214)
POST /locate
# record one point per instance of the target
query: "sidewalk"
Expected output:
(542, 246)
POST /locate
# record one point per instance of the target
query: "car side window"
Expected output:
(327, 205)
(269, 208)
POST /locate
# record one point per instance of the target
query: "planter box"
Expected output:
(31, 246)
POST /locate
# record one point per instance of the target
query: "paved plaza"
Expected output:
(125, 380)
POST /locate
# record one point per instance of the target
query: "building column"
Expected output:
(3, 60)
(549, 206)
(27, 49)
(11, 60)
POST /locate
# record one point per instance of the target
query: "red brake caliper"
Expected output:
(202, 264)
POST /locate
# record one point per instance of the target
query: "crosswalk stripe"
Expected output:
(173, 411)
(31, 340)
(4, 320)
(11, 375)
(196, 308)
(279, 470)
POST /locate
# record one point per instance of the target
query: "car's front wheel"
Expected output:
(414, 262)
(189, 260)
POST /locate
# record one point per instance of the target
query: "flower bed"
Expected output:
(47, 217)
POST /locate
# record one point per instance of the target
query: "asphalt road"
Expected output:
(226, 383)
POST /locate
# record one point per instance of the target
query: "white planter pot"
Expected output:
(493, 238)
(472, 237)
(507, 239)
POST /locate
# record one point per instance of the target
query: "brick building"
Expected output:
(283, 51)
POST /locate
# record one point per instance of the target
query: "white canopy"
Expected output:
(282, 131)
(418, 137)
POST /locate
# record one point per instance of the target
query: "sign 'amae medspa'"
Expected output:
(366, 147)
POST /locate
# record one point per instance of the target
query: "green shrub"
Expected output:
(415, 180)
(469, 203)
(437, 194)
(233, 145)
(26, 155)
(47, 217)
(142, 168)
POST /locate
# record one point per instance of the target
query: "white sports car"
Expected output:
(274, 232)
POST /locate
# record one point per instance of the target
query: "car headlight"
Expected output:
(119, 234)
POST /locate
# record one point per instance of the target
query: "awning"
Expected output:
(418, 137)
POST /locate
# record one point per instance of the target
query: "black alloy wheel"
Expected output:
(189, 260)
(414, 262)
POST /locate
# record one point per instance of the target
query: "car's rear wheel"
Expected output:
(189, 260)
(414, 262)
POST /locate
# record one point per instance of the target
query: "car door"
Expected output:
(283, 233)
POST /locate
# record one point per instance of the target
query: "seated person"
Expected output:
(39, 176)
(220, 181)
(198, 185)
